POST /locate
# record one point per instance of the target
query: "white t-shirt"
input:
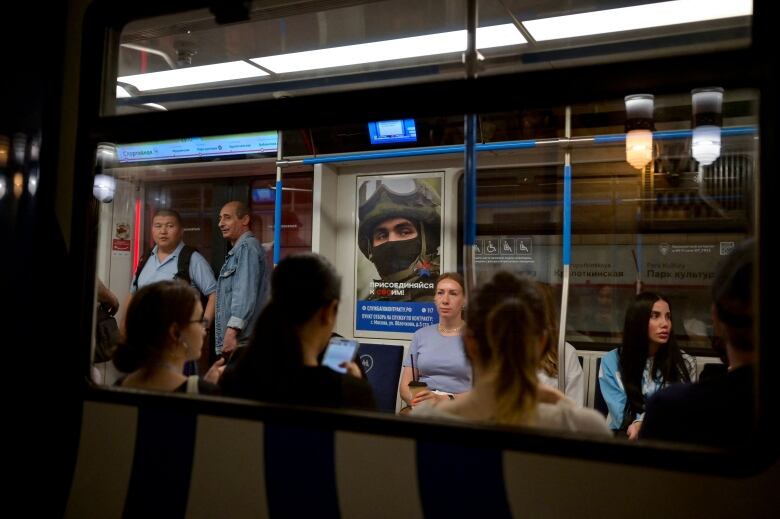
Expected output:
(575, 382)
(562, 416)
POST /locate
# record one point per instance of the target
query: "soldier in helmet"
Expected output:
(399, 232)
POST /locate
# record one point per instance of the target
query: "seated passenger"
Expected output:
(647, 360)
(437, 350)
(504, 337)
(280, 364)
(164, 329)
(548, 371)
(716, 412)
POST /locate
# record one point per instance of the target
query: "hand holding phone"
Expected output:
(339, 352)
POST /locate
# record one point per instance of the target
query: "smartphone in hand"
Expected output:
(339, 351)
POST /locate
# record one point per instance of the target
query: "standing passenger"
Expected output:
(241, 286)
(647, 360)
(163, 262)
(172, 259)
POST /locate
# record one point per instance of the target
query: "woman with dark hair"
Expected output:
(647, 360)
(504, 337)
(164, 329)
(437, 350)
(548, 368)
(280, 364)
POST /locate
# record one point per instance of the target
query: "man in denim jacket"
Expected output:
(242, 287)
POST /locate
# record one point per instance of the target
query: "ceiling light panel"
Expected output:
(637, 17)
(401, 48)
(193, 76)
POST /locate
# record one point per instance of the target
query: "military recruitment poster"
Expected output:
(397, 257)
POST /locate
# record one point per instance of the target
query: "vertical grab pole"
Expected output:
(566, 257)
(470, 173)
(278, 201)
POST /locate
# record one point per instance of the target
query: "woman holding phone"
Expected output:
(437, 350)
(281, 362)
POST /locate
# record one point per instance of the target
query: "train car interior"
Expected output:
(600, 149)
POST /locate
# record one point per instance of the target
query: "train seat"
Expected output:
(382, 365)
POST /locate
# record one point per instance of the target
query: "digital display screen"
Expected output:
(392, 132)
(199, 147)
(338, 352)
(263, 195)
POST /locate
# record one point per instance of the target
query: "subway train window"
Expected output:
(296, 213)
(382, 204)
(162, 199)
(166, 63)
(660, 228)
(331, 264)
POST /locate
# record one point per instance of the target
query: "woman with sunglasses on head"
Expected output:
(504, 338)
(164, 329)
(647, 360)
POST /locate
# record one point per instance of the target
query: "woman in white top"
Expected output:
(505, 332)
(548, 369)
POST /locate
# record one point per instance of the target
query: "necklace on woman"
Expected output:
(450, 330)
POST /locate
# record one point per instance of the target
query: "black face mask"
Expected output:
(395, 256)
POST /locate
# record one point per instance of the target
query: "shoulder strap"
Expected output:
(192, 385)
(183, 264)
(140, 267)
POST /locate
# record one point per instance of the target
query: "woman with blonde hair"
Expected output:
(548, 367)
(436, 353)
(504, 337)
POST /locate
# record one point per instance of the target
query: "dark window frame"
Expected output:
(752, 67)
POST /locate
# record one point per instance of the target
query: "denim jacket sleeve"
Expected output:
(246, 281)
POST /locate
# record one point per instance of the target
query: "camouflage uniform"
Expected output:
(419, 207)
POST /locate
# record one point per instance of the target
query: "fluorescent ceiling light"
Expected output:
(121, 92)
(193, 76)
(637, 17)
(402, 48)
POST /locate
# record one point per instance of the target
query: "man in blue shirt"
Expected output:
(242, 289)
(163, 261)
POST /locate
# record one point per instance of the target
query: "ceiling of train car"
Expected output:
(277, 29)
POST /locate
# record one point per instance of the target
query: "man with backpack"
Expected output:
(170, 259)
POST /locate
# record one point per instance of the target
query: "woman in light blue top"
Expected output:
(437, 350)
(647, 360)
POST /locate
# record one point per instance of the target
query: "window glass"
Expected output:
(171, 62)
(188, 60)
(658, 195)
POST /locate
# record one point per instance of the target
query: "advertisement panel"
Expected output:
(398, 237)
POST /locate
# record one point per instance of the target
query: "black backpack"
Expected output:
(106, 335)
(183, 265)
